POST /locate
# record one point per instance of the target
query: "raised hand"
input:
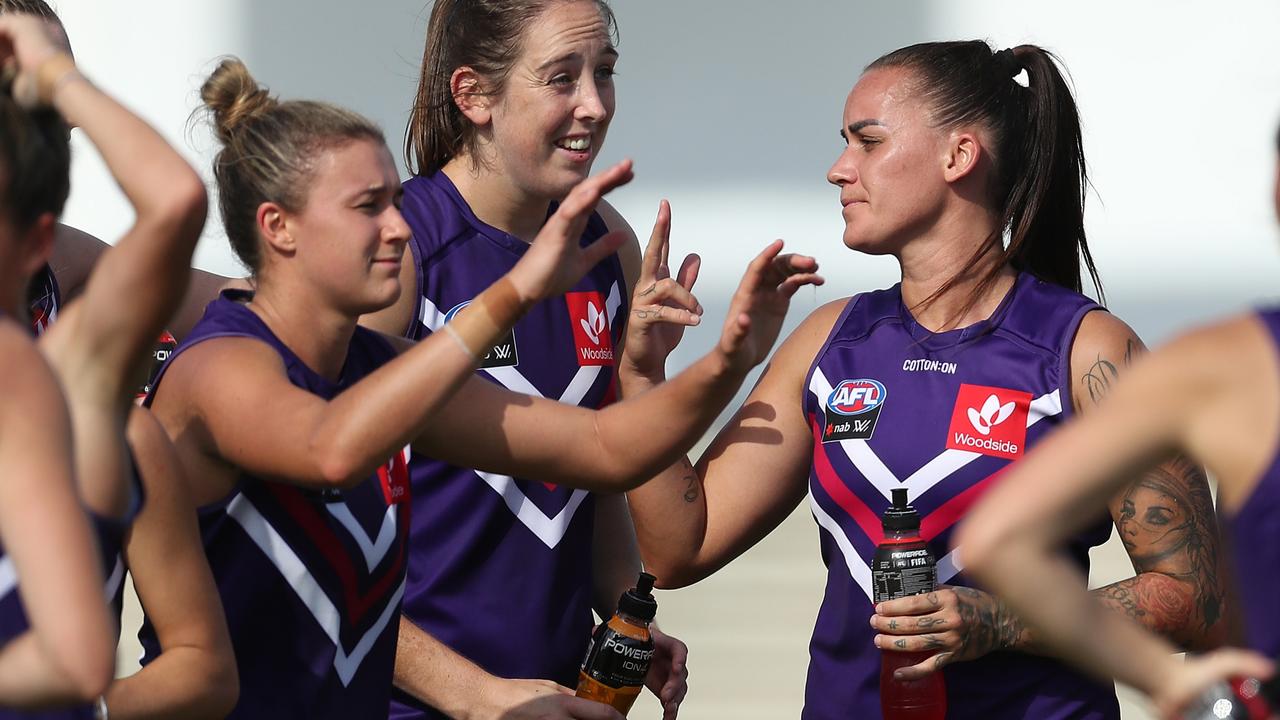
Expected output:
(954, 623)
(760, 304)
(27, 42)
(1185, 681)
(662, 306)
(555, 261)
(668, 677)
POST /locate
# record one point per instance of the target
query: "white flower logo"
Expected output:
(992, 414)
(593, 325)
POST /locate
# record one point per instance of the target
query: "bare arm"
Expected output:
(432, 672)
(75, 253)
(620, 446)
(195, 675)
(1165, 519)
(67, 654)
(1065, 480)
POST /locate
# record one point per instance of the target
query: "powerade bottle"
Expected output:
(1238, 699)
(620, 651)
(904, 566)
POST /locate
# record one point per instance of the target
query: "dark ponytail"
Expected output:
(483, 35)
(1038, 179)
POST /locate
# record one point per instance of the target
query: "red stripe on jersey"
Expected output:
(844, 497)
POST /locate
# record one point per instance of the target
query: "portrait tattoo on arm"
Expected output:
(1167, 524)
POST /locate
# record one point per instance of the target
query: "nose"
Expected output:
(591, 102)
(842, 172)
(396, 229)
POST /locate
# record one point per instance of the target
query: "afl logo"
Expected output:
(856, 397)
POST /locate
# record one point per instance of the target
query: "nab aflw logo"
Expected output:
(502, 354)
(590, 322)
(853, 408)
(997, 415)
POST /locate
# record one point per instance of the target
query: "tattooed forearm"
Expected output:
(991, 625)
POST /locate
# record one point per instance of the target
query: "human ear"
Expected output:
(273, 226)
(468, 95)
(964, 150)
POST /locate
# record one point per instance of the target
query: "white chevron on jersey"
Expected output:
(294, 572)
(373, 550)
(8, 576)
(115, 579)
(550, 530)
(942, 466)
(936, 470)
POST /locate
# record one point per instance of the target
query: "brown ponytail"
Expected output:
(1039, 174)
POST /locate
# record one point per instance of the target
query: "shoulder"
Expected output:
(75, 252)
(27, 373)
(803, 344)
(223, 366)
(1102, 334)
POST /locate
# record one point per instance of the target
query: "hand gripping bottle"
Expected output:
(904, 566)
(1238, 699)
(620, 650)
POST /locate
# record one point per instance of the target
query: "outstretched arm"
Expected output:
(1166, 522)
(619, 447)
(1063, 483)
(303, 439)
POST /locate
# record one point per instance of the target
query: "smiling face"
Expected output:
(890, 173)
(350, 235)
(550, 120)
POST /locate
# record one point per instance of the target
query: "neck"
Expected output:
(495, 201)
(929, 262)
(319, 335)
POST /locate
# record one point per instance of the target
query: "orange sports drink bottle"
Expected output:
(904, 566)
(620, 651)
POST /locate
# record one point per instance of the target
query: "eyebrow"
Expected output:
(376, 190)
(609, 50)
(855, 127)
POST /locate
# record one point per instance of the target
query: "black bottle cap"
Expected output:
(900, 515)
(638, 602)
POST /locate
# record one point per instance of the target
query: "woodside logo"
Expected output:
(990, 421)
(592, 340)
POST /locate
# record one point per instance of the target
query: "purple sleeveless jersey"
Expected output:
(1254, 533)
(310, 581)
(891, 405)
(44, 300)
(501, 568)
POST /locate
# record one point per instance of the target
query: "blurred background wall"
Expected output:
(731, 109)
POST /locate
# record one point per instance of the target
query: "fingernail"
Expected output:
(697, 319)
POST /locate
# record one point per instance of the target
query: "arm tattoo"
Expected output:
(1103, 373)
(692, 486)
(1167, 523)
(991, 626)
